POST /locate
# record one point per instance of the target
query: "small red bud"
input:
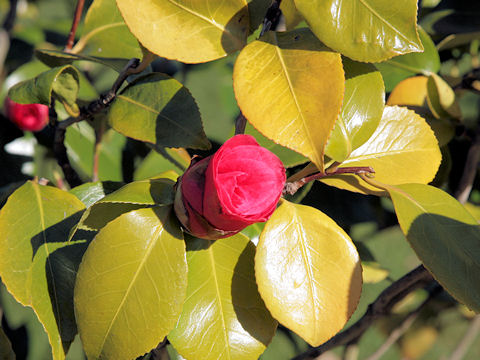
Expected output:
(29, 117)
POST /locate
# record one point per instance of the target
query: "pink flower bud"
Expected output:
(237, 186)
(31, 117)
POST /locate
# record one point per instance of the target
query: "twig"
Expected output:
(404, 326)
(467, 339)
(76, 19)
(470, 171)
(88, 112)
(272, 17)
(240, 124)
(415, 279)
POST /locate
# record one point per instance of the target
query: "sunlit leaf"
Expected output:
(308, 272)
(282, 90)
(106, 34)
(364, 30)
(223, 316)
(473, 209)
(401, 67)
(444, 236)
(37, 264)
(373, 272)
(361, 110)
(190, 32)
(403, 149)
(158, 109)
(62, 83)
(441, 98)
(131, 285)
(91, 192)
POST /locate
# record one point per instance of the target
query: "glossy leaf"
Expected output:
(282, 90)
(37, 264)
(413, 93)
(371, 31)
(308, 272)
(361, 110)
(135, 195)
(289, 157)
(59, 58)
(441, 98)
(60, 82)
(131, 285)
(444, 236)
(401, 67)
(403, 149)
(91, 192)
(158, 109)
(191, 32)
(103, 29)
(176, 160)
(223, 316)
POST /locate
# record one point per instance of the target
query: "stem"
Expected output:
(240, 124)
(292, 187)
(415, 279)
(76, 19)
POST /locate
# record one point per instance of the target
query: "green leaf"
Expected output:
(155, 163)
(441, 98)
(191, 32)
(106, 34)
(223, 316)
(401, 67)
(131, 285)
(61, 82)
(445, 237)
(158, 109)
(361, 112)
(58, 58)
(135, 195)
(308, 272)
(6, 351)
(37, 264)
(91, 192)
(364, 30)
(289, 157)
(403, 149)
(282, 90)
(257, 9)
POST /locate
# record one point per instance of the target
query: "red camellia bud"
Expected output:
(31, 117)
(237, 186)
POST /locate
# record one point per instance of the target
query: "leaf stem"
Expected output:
(76, 19)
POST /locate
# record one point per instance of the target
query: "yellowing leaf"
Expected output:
(37, 265)
(223, 316)
(282, 89)
(445, 237)
(292, 16)
(131, 285)
(308, 272)
(403, 149)
(188, 31)
(364, 30)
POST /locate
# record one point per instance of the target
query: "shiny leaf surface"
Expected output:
(60, 82)
(103, 27)
(158, 109)
(37, 264)
(91, 192)
(401, 67)
(223, 316)
(403, 149)
(131, 285)
(191, 32)
(308, 272)
(364, 30)
(445, 237)
(282, 90)
(361, 110)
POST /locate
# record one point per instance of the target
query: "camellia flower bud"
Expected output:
(30, 117)
(237, 186)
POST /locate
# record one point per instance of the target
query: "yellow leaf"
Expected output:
(188, 31)
(411, 91)
(403, 149)
(290, 88)
(308, 272)
(292, 16)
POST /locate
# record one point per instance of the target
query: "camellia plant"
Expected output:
(211, 252)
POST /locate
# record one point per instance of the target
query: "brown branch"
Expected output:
(76, 19)
(382, 306)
